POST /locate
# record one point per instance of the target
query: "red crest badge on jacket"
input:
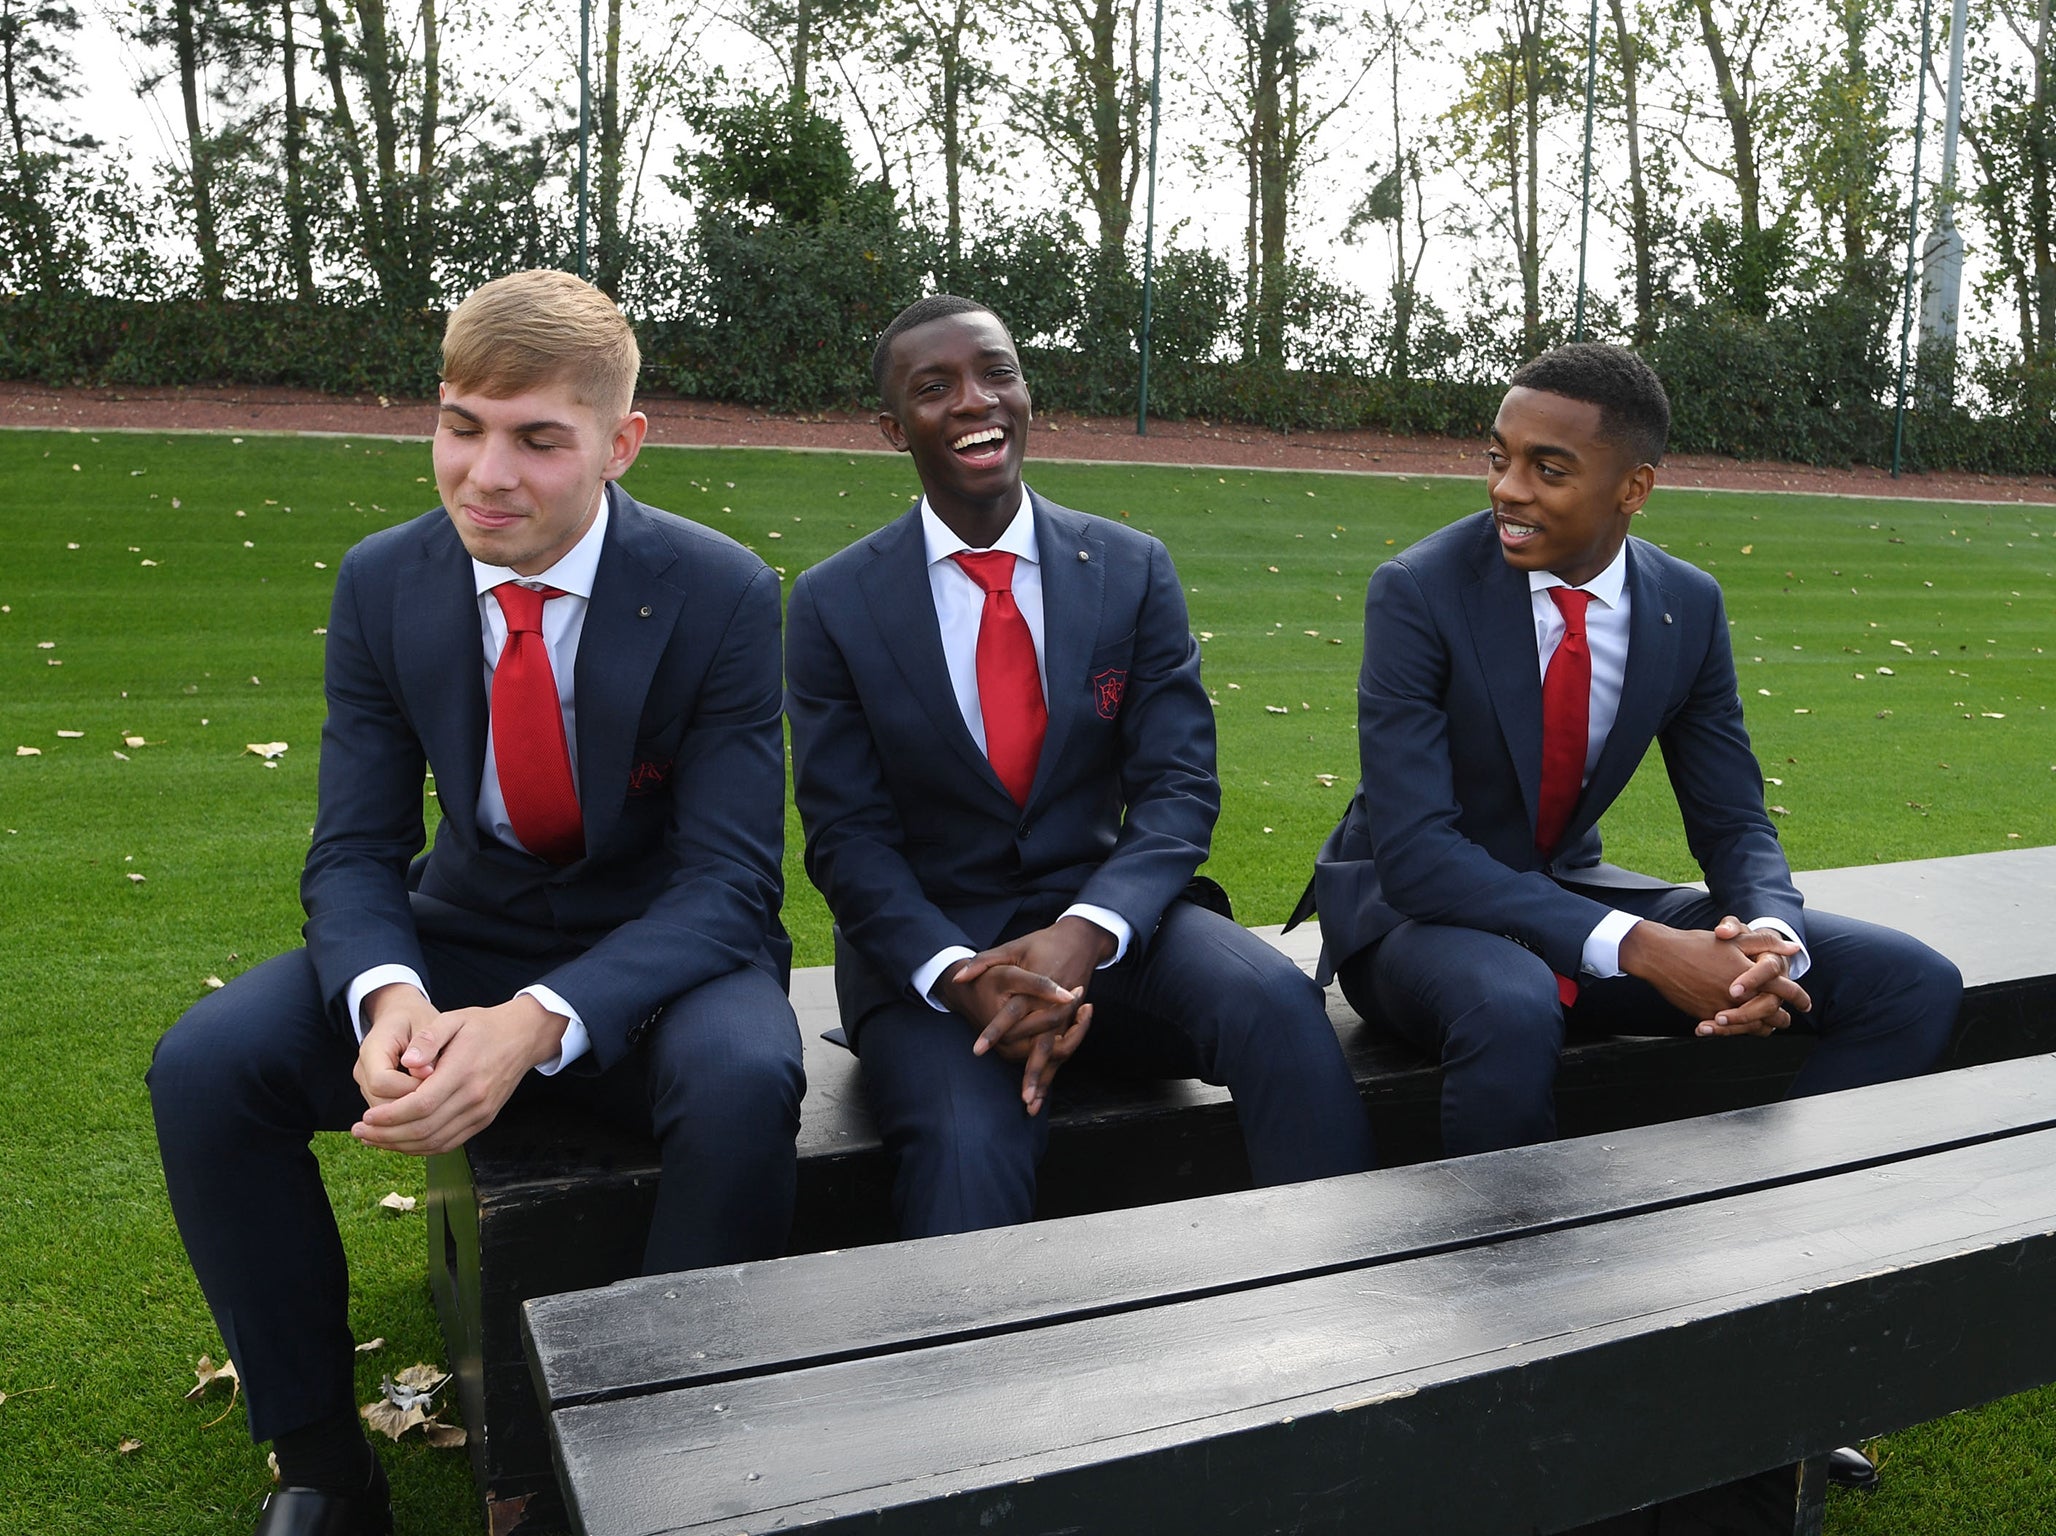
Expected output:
(1107, 688)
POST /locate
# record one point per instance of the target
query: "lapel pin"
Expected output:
(1666, 617)
(1083, 557)
(644, 612)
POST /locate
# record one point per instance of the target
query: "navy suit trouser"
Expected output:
(1487, 1009)
(244, 1080)
(1205, 999)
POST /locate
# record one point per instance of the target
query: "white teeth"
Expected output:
(1519, 530)
(989, 435)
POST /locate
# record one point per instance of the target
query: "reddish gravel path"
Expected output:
(1057, 436)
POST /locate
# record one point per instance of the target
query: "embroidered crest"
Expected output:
(649, 776)
(1107, 688)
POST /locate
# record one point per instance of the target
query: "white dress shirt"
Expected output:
(1606, 637)
(959, 609)
(563, 623)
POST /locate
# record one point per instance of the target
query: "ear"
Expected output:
(889, 427)
(625, 444)
(1635, 489)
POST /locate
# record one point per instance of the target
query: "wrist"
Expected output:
(542, 1028)
(393, 995)
(1099, 943)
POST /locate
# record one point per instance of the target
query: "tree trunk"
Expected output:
(371, 227)
(36, 218)
(1274, 62)
(952, 142)
(1402, 279)
(1638, 194)
(1753, 296)
(187, 45)
(300, 245)
(607, 271)
(1115, 157)
(802, 44)
(2042, 159)
(421, 238)
(1531, 122)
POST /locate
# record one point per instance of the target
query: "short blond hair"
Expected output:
(539, 327)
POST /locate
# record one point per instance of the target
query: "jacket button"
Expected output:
(1022, 831)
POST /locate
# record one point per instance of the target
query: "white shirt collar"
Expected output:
(1606, 586)
(573, 573)
(1018, 540)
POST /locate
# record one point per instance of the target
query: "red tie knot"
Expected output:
(523, 606)
(992, 569)
(1571, 603)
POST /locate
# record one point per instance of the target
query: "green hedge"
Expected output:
(783, 318)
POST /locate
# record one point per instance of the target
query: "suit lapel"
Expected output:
(628, 621)
(1501, 618)
(1073, 592)
(1652, 658)
(439, 650)
(902, 607)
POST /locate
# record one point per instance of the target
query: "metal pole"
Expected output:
(1912, 233)
(1585, 196)
(1156, 74)
(585, 119)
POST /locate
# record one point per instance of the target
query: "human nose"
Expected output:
(973, 396)
(495, 467)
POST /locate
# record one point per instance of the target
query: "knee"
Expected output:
(1508, 1011)
(747, 1077)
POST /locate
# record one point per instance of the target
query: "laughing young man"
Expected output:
(596, 687)
(1004, 762)
(1517, 666)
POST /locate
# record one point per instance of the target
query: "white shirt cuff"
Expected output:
(925, 978)
(576, 1041)
(368, 983)
(1602, 954)
(1795, 965)
(1113, 922)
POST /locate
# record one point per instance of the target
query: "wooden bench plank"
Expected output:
(666, 1331)
(1546, 1365)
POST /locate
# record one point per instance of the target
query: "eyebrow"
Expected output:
(989, 354)
(1541, 450)
(453, 409)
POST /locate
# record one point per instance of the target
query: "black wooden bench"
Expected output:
(533, 1208)
(1524, 1341)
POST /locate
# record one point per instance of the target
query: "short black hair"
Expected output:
(936, 306)
(1634, 411)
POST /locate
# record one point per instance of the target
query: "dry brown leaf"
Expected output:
(266, 749)
(443, 1436)
(209, 1373)
(391, 1420)
(129, 1445)
(395, 1201)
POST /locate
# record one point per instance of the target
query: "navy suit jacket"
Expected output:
(1449, 722)
(910, 834)
(680, 773)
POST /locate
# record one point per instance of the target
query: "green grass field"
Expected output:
(161, 603)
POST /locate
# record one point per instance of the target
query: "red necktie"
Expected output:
(1009, 684)
(529, 750)
(1566, 729)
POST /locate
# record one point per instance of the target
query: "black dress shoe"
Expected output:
(1850, 1468)
(312, 1512)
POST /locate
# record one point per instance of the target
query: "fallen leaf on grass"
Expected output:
(1778, 810)
(371, 1346)
(1276, 709)
(1325, 780)
(266, 749)
(25, 1391)
(395, 1201)
(46, 645)
(213, 983)
(134, 741)
(136, 878)
(28, 751)
(443, 1436)
(71, 735)
(129, 1445)
(209, 1373)
(123, 756)
(408, 1397)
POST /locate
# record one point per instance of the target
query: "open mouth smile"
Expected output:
(982, 448)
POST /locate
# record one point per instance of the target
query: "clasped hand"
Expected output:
(1027, 997)
(432, 1080)
(1734, 980)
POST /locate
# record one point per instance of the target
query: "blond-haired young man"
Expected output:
(596, 687)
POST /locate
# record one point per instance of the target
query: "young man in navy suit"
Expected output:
(596, 686)
(1517, 665)
(1004, 762)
